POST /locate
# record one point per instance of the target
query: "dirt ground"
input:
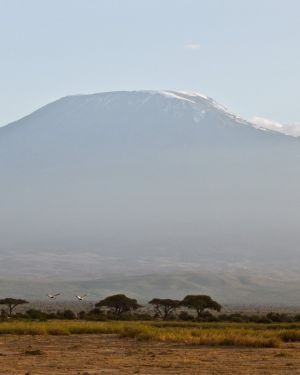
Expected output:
(108, 354)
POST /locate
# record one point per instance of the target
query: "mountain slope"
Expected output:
(145, 181)
(240, 288)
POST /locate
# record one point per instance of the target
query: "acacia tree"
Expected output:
(200, 303)
(164, 307)
(12, 303)
(118, 304)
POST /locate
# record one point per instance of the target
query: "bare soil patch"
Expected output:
(109, 354)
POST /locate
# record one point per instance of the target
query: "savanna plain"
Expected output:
(113, 347)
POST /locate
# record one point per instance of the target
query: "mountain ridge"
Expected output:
(189, 97)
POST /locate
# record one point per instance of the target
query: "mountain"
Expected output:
(143, 182)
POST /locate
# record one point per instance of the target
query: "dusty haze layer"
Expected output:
(146, 182)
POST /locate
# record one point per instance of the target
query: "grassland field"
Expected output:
(214, 334)
(78, 347)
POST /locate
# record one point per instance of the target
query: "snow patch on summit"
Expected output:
(195, 94)
(175, 96)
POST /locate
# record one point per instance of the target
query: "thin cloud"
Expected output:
(192, 46)
(262, 122)
(267, 123)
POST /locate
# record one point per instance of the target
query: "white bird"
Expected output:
(53, 296)
(81, 298)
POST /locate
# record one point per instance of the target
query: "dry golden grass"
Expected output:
(249, 335)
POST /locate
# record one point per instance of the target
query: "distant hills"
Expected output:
(236, 288)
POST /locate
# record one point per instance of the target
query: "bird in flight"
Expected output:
(53, 296)
(81, 298)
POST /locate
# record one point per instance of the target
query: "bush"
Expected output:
(184, 315)
(82, 315)
(297, 318)
(236, 318)
(68, 314)
(278, 318)
(35, 315)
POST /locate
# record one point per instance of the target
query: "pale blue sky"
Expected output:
(244, 54)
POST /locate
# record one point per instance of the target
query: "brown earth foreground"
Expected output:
(109, 354)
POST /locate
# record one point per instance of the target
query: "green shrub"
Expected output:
(69, 314)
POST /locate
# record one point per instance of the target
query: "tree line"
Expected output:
(119, 304)
(121, 307)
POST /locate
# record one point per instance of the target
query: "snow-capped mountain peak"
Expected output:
(134, 176)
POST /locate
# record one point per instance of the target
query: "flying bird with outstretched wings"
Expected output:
(81, 298)
(53, 296)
